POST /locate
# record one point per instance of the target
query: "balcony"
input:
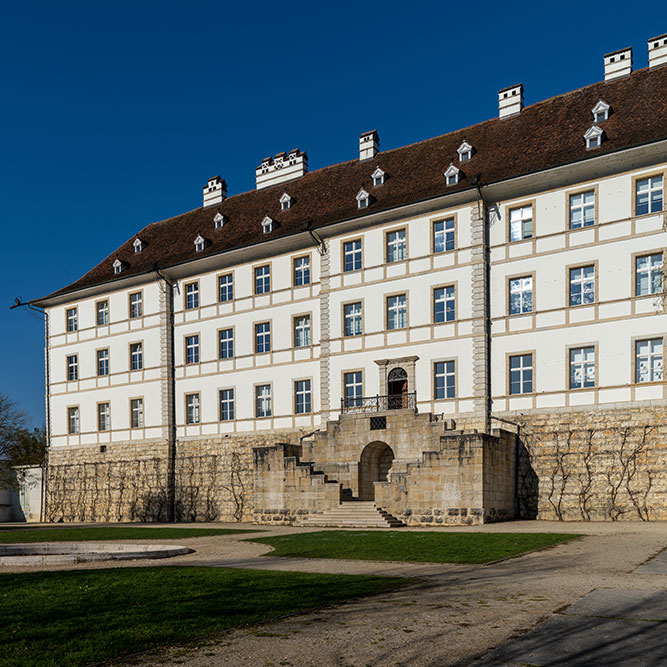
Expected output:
(366, 404)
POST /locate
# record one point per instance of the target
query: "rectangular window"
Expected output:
(103, 362)
(582, 367)
(443, 235)
(521, 295)
(521, 223)
(226, 287)
(263, 279)
(648, 274)
(226, 405)
(302, 397)
(192, 415)
(582, 285)
(102, 313)
(302, 271)
(72, 319)
(73, 367)
(103, 417)
(582, 210)
(136, 305)
(192, 296)
(397, 312)
(226, 344)
(353, 389)
(648, 195)
(648, 360)
(302, 331)
(352, 260)
(444, 304)
(396, 248)
(263, 337)
(263, 400)
(73, 424)
(137, 413)
(352, 317)
(192, 349)
(136, 356)
(444, 379)
(521, 374)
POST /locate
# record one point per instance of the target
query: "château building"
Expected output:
(466, 329)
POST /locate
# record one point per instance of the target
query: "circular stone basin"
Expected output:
(56, 553)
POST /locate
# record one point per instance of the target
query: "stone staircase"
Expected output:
(353, 514)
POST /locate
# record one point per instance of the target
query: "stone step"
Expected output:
(353, 514)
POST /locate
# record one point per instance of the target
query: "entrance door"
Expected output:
(376, 460)
(397, 388)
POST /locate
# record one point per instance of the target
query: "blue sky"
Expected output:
(114, 115)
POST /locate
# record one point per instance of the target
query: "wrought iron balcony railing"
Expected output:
(362, 404)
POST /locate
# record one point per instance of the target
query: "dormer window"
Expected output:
(378, 177)
(267, 225)
(138, 245)
(117, 266)
(594, 137)
(200, 243)
(363, 199)
(452, 175)
(285, 202)
(600, 112)
(219, 220)
(464, 151)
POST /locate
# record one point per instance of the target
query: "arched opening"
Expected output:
(397, 388)
(374, 465)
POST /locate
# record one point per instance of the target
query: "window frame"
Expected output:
(508, 280)
(639, 339)
(343, 254)
(295, 396)
(75, 366)
(70, 408)
(344, 305)
(434, 375)
(140, 294)
(233, 404)
(444, 219)
(140, 367)
(633, 273)
(197, 407)
(132, 413)
(196, 361)
(255, 270)
(643, 177)
(99, 414)
(568, 208)
(97, 313)
(99, 361)
(195, 296)
(255, 336)
(386, 311)
(218, 335)
(72, 324)
(568, 284)
(445, 287)
(256, 397)
(294, 330)
(581, 346)
(309, 270)
(396, 230)
(361, 385)
(532, 203)
(220, 276)
(508, 365)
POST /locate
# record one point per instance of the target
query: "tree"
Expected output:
(18, 445)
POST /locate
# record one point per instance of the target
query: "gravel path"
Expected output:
(449, 615)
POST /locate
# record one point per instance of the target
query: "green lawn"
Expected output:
(422, 547)
(86, 616)
(106, 533)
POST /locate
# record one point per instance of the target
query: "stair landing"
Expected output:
(353, 514)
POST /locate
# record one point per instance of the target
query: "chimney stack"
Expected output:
(618, 64)
(510, 101)
(280, 168)
(657, 51)
(369, 145)
(214, 191)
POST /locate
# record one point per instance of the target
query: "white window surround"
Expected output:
(267, 225)
(452, 175)
(138, 245)
(378, 177)
(200, 243)
(464, 151)
(219, 220)
(117, 266)
(363, 199)
(600, 112)
(285, 202)
(594, 137)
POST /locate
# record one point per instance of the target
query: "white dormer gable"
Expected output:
(452, 175)
(378, 177)
(363, 199)
(200, 243)
(219, 220)
(267, 225)
(464, 151)
(285, 202)
(117, 266)
(138, 245)
(593, 137)
(600, 112)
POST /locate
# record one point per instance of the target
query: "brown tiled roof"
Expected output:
(544, 135)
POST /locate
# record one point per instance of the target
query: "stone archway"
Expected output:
(374, 464)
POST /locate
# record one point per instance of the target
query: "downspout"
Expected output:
(171, 393)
